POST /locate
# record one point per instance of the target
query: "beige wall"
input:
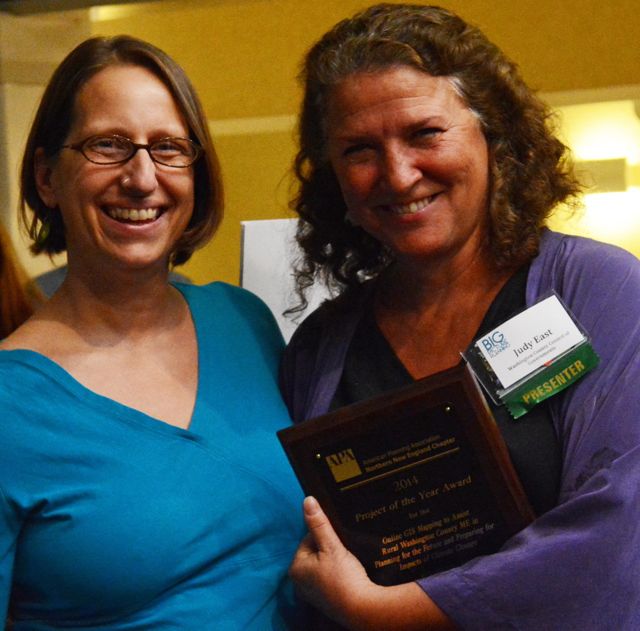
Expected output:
(30, 49)
(243, 57)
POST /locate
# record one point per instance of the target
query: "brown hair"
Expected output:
(529, 169)
(15, 303)
(54, 119)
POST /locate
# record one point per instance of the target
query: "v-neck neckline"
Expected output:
(62, 376)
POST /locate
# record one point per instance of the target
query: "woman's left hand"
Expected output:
(332, 579)
(325, 573)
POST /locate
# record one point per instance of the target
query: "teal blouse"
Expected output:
(111, 519)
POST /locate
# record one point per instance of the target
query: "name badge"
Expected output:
(532, 356)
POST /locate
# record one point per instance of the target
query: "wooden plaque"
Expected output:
(415, 481)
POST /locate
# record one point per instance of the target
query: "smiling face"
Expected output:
(124, 214)
(412, 162)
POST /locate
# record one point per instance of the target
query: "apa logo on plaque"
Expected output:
(343, 465)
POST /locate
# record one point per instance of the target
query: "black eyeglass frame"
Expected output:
(81, 146)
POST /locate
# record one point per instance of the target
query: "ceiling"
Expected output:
(27, 7)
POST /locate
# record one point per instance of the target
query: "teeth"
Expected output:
(413, 207)
(133, 214)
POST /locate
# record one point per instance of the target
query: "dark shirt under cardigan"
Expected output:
(576, 566)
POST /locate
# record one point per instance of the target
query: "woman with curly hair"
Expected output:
(427, 170)
(17, 300)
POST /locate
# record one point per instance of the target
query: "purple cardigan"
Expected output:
(577, 567)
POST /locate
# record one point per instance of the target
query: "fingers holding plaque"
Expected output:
(415, 481)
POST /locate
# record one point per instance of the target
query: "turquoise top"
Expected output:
(111, 519)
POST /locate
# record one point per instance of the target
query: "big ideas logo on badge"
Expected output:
(494, 343)
(343, 465)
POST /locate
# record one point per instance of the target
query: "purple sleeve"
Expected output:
(310, 369)
(313, 360)
(578, 565)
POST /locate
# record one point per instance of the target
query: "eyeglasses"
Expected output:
(171, 152)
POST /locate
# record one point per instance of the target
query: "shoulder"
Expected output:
(28, 379)
(583, 249)
(229, 298)
(10, 363)
(600, 284)
(231, 312)
(29, 333)
(571, 255)
(583, 270)
(219, 292)
(31, 402)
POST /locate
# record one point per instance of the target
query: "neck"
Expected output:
(410, 285)
(429, 313)
(120, 303)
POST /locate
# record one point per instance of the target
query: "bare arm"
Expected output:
(328, 576)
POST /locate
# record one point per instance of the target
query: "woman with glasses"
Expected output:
(142, 483)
